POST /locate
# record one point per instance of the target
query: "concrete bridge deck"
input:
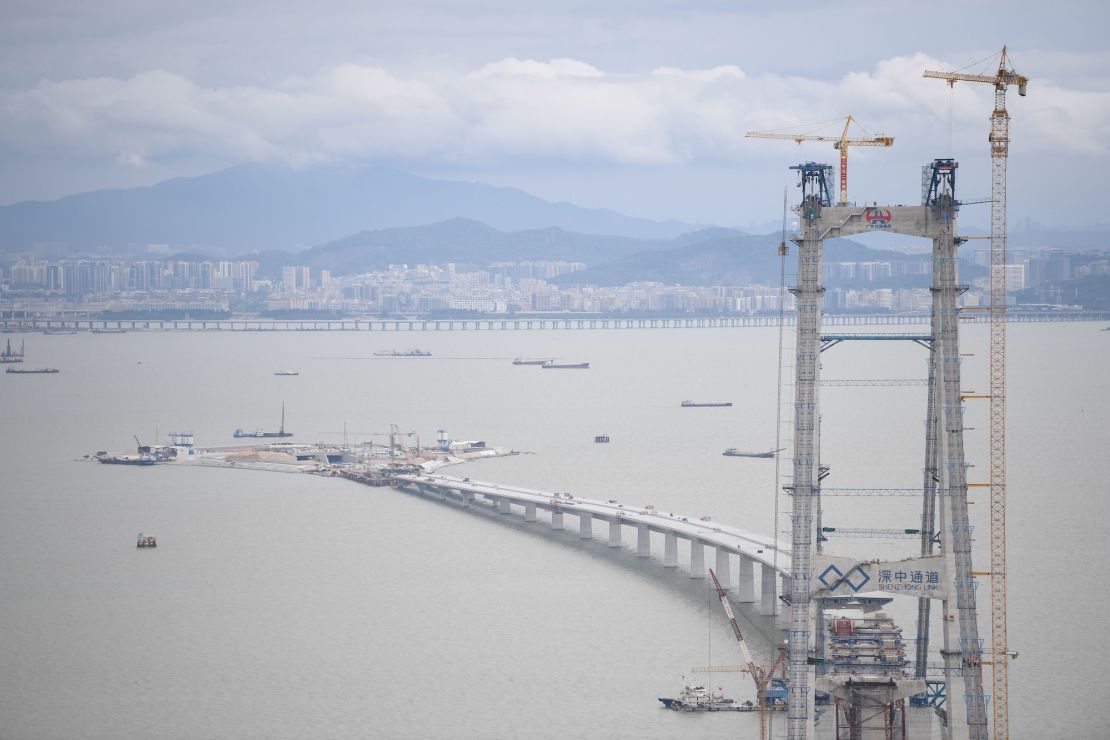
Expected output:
(730, 543)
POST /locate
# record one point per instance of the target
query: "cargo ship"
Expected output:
(520, 361)
(733, 452)
(125, 459)
(567, 366)
(403, 353)
(695, 404)
(32, 371)
(287, 372)
(240, 433)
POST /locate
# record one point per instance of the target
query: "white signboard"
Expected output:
(922, 577)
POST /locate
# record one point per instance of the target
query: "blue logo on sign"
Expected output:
(833, 578)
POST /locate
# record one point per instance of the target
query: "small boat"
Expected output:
(733, 452)
(700, 699)
(32, 370)
(240, 433)
(146, 541)
(403, 353)
(558, 366)
(287, 372)
(695, 404)
(521, 361)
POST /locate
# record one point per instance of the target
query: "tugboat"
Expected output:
(700, 699)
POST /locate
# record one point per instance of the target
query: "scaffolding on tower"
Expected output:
(1002, 78)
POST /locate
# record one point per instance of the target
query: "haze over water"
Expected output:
(291, 606)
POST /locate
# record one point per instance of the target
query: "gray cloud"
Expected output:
(649, 96)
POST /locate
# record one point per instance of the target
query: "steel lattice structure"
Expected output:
(1000, 144)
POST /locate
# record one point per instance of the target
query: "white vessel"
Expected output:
(700, 699)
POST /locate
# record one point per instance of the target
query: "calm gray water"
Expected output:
(290, 606)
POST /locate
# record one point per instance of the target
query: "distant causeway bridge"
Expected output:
(731, 544)
(81, 321)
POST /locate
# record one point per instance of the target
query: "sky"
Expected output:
(636, 105)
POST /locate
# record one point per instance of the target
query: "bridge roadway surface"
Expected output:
(748, 547)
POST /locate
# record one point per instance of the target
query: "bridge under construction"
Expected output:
(857, 665)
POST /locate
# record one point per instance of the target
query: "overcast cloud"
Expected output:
(636, 106)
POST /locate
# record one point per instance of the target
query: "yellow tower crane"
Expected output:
(999, 139)
(841, 142)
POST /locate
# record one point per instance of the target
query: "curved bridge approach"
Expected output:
(731, 544)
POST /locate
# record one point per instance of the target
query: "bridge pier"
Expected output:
(556, 520)
(614, 533)
(586, 525)
(503, 506)
(767, 605)
(722, 568)
(670, 550)
(529, 512)
(643, 541)
(467, 497)
(745, 592)
(697, 559)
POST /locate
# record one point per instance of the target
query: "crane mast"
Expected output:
(1000, 143)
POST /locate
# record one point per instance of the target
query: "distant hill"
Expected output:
(468, 242)
(716, 257)
(712, 256)
(256, 207)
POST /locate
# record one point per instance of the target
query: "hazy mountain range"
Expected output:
(714, 256)
(256, 207)
(351, 220)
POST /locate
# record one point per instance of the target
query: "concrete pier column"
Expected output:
(503, 506)
(697, 559)
(556, 520)
(643, 541)
(745, 591)
(614, 533)
(722, 568)
(466, 496)
(529, 512)
(442, 492)
(767, 603)
(670, 550)
(585, 525)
